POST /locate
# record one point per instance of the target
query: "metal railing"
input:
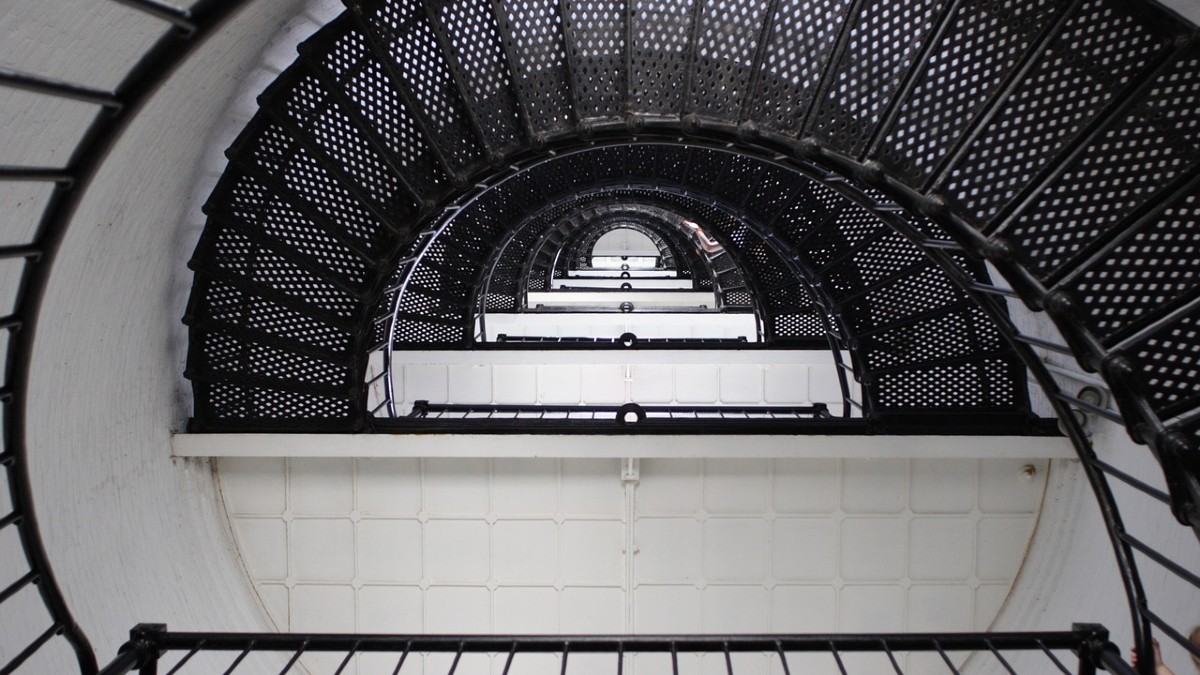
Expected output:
(152, 649)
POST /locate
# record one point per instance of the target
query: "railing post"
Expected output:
(146, 640)
(1093, 639)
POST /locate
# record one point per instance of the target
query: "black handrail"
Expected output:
(150, 644)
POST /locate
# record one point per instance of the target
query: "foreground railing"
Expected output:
(152, 647)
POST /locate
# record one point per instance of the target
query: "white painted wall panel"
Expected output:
(541, 545)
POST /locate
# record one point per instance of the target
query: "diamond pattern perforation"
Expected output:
(1169, 366)
(660, 32)
(343, 143)
(369, 87)
(236, 254)
(801, 40)
(477, 49)
(278, 153)
(1102, 49)
(239, 402)
(980, 49)
(431, 85)
(950, 387)
(226, 304)
(917, 292)
(597, 31)
(726, 42)
(256, 207)
(954, 334)
(882, 45)
(223, 354)
(534, 31)
(1149, 270)
(1134, 160)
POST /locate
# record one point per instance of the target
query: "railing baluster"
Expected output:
(1172, 566)
(1053, 658)
(782, 658)
(346, 661)
(57, 88)
(180, 18)
(403, 658)
(192, 652)
(17, 585)
(1000, 657)
(837, 658)
(241, 657)
(891, 657)
(945, 657)
(30, 649)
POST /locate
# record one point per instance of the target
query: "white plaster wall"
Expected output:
(1070, 574)
(133, 535)
(548, 545)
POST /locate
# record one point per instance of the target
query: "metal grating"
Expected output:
(802, 37)
(957, 83)
(597, 32)
(882, 44)
(1101, 50)
(533, 35)
(1130, 162)
(1172, 242)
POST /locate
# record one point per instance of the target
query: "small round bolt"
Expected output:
(1029, 472)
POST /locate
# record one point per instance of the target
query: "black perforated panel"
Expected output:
(981, 48)
(432, 86)
(659, 51)
(1149, 271)
(727, 36)
(476, 57)
(883, 42)
(802, 36)
(1124, 168)
(597, 32)
(1101, 50)
(534, 32)
(1170, 366)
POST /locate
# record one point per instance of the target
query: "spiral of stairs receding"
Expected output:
(1057, 140)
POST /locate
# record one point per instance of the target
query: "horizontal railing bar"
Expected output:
(30, 650)
(610, 643)
(35, 174)
(10, 252)
(1131, 481)
(17, 585)
(11, 322)
(14, 517)
(994, 290)
(1169, 630)
(1077, 376)
(1044, 344)
(57, 88)
(1171, 565)
(180, 18)
(1089, 407)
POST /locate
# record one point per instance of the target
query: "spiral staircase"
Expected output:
(884, 177)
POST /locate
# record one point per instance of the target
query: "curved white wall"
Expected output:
(134, 536)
